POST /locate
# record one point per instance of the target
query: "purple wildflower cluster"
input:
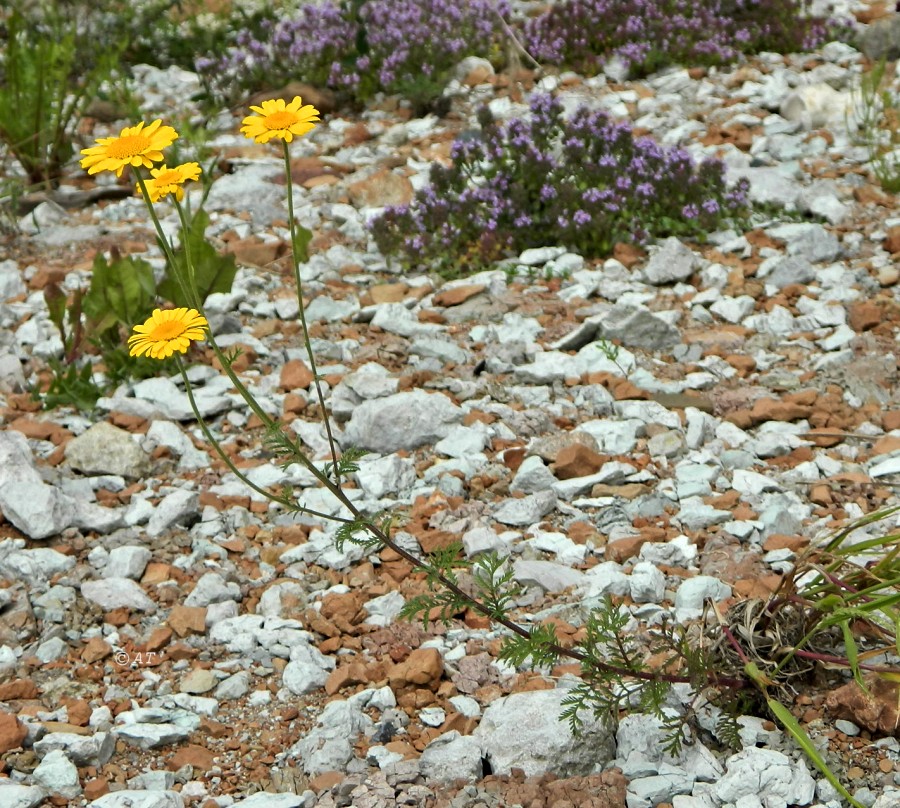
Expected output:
(649, 34)
(398, 46)
(585, 182)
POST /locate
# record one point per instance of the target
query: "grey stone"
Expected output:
(325, 309)
(179, 506)
(307, 670)
(128, 561)
(462, 441)
(11, 282)
(57, 774)
(443, 349)
(532, 476)
(174, 404)
(33, 566)
(383, 609)
(391, 474)
(234, 687)
(268, 799)
(672, 262)
(606, 578)
(14, 795)
(693, 592)
(614, 437)
(768, 185)
(12, 379)
(90, 516)
(653, 790)
(129, 798)
(280, 597)
(169, 434)
(822, 198)
(733, 309)
(881, 39)
(767, 774)
(696, 514)
(401, 421)
(527, 510)
(82, 750)
(212, 588)
(549, 576)
(52, 649)
(536, 256)
(250, 188)
(37, 509)
(395, 318)
(152, 736)
(648, 584)
(666, 444)
(791, 270)
(809, 241)
(106, 449)
(640, 738)
(117, 593)
(482, 540)
(638, 327)
(523, 730)
(154, 780)
(329, 745)
(450, 756)
(546, 368)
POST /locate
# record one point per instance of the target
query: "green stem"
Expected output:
(295, 261)
(207, 433)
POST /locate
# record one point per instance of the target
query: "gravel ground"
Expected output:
(168, 638)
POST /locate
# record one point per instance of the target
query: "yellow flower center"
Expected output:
(283, 119)
(166, 331)
(128, 146)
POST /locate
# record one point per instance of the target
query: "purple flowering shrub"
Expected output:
(407, 47)
(585, 183)
(649, 34)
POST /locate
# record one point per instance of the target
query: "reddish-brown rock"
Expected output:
(424, 666)
(18, 689)
(95, 649)
(458, 294)
(197, 756)
(864, 315)
(389, 292)
(184, 620)
(96, 788)
(295, 375)
(382, 188)
(876, 711)
(12, 732)
(577, 460)
(771, 409)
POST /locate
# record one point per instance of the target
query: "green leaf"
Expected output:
(853, 655)
(302, 238)
(212, 272)
(805, 743)
(122, 292)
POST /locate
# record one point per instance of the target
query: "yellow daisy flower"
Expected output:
(135, 146)
(278, 119)
(167, 181)
(167, 331)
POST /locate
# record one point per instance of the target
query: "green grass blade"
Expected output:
(803, 740)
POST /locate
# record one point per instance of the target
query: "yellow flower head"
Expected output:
(167, 331)
(135, 146)
(278, 119)
(167, 181)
